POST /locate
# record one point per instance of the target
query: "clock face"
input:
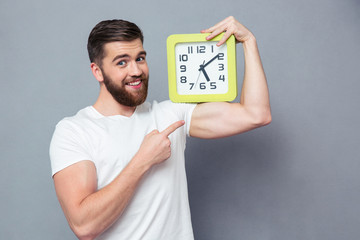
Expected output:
(200, 71)
(201, 68)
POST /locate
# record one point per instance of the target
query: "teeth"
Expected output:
(134, 83)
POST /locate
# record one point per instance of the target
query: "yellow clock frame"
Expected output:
(172, 40)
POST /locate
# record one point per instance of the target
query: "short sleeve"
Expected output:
(67, 146)
(182, 111)
(187, 110)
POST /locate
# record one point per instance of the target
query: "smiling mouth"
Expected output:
(135, 83)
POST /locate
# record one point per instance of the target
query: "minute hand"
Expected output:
(202, 66)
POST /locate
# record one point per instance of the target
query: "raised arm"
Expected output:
(90, 211)
(222, 119)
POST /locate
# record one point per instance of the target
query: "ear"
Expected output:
(96, 71)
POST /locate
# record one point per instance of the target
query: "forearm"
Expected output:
(255, 94)
(98, 211)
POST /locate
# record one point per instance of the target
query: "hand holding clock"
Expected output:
(231, 27)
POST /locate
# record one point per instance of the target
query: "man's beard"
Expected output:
(124, 97)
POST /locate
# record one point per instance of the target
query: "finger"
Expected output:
(173, 127)
(226, 36)
(216, 29)
(214, 33)
(209, 30)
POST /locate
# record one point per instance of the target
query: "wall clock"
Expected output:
(200, 71)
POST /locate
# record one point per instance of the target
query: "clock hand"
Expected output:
(205, 74)
(198, 75)
(204, 65)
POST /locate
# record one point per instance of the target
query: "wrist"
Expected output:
(250, 44)
(139, 164)
(250, 39)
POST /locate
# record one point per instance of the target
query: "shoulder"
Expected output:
(72, 131)
(80, 119)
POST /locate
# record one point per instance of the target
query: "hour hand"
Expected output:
(204, 72)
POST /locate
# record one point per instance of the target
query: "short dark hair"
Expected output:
(110, 31)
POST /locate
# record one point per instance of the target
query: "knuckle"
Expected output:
(153, 132)
(231, 18)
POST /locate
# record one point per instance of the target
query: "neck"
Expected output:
(108, 106)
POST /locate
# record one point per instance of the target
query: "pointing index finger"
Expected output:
(173, 127)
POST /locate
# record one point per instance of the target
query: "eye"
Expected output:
(140, 59)
(121, 63)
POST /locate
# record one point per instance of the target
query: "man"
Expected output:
(118, 166)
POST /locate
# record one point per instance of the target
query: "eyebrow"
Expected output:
(127, 55)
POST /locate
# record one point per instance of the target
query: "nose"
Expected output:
(134, 69)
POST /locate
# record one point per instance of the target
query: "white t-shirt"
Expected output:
(159, 208)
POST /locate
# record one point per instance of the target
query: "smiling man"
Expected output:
(118, 165)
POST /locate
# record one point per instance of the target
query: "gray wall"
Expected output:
(297, 178)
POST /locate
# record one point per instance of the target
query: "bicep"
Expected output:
(73, 184)
(220, 119)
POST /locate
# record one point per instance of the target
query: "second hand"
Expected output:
(198, 76)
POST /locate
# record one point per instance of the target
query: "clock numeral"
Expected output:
(221, 56)
(190, 49)
(202, 86)
(212, 85)
(183, 79)
(183, 57)
(222, 78)
(191, 85)
(221, 67)
(200, 49)
(212, 48)
(182, 68)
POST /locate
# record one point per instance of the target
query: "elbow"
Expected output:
(84, 232)
(267, 119)
(263, 118)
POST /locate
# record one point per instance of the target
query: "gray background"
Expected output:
(297, 178)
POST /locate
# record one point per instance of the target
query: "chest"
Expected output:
(114, 143)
